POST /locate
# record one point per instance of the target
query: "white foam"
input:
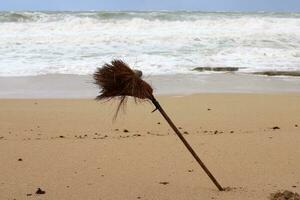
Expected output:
(168, 43)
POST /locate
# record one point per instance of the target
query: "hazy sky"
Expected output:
(205, 5)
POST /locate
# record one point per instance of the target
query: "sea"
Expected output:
(158, 43)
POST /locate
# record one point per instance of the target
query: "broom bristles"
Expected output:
(118, 80)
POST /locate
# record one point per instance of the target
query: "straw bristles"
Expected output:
(117, 80)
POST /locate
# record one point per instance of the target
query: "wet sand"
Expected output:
(76, 86)
(71, 149)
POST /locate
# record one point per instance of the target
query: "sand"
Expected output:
(71, 149)
(80, 86)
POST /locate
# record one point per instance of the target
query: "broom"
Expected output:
(117, 80)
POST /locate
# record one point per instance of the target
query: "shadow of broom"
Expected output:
(117, 80)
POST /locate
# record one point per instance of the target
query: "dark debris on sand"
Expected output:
(136, 135)
(164, 183)
(40, 191)
(285, 195)
(275, 128)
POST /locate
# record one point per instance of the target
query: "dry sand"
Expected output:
(71, 149)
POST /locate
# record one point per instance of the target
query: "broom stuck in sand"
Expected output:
(117, 80)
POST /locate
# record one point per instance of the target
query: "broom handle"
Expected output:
(157, 105)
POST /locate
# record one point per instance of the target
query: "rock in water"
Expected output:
(216, 69)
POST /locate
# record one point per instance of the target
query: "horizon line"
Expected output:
(149, 10)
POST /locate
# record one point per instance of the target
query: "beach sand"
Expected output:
(71, 148)
(81, 86)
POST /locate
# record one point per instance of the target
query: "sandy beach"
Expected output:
(71, 148)
(228, 75)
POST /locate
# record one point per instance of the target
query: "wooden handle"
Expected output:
(158, 107)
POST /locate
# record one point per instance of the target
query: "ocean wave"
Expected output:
(154, 42)
(22, 17)
(14, 17)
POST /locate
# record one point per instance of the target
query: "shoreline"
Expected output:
(81, 86)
